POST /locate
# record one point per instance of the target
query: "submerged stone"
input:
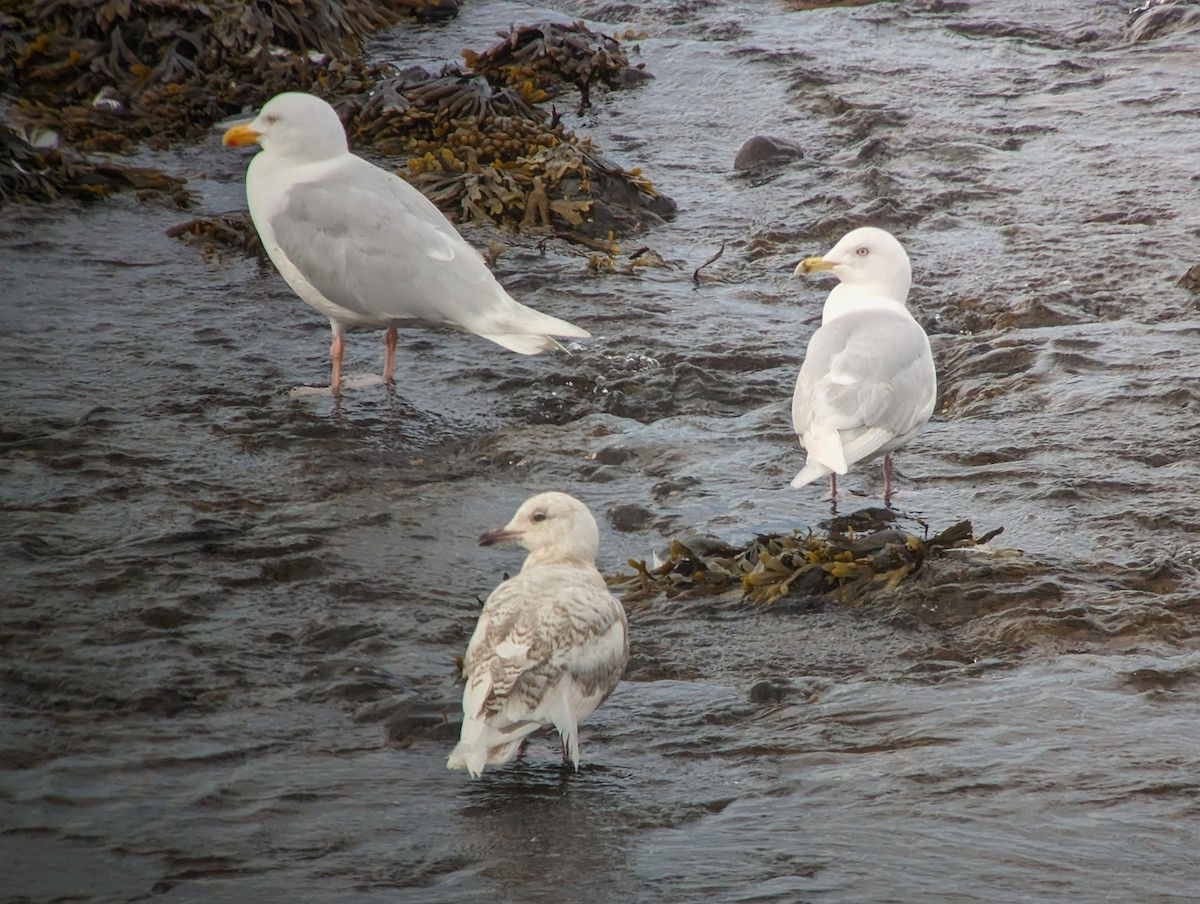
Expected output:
(762, 150)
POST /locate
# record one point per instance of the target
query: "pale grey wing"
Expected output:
(372, 244)
(868, 369)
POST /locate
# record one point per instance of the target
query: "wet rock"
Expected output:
(871, 518)
(614, 455)
(1155, 18)
(1191, 280)
(434, 10)
(668, 488)
(772, 690)
(549, 56)
(629, 517)
(764, 150)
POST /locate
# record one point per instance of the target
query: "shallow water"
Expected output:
(231, 610)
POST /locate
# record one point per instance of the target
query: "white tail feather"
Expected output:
(812, 470)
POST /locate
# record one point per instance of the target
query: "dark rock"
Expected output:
(629, 517)
(666, 488)
(1191, 280)
(762, 150)
(771, 690)
(614, 455)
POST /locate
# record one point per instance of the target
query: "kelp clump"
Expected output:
(220, 231)
(33, 166)
(850, 566)
(543, 59)
(108, 73)
(486, 152)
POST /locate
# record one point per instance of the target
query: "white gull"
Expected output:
(868, 382)
(364, 247)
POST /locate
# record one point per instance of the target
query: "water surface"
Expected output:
(231, 611)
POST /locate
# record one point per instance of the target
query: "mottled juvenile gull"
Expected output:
(364, 247)
(550, 644)
(868, 382)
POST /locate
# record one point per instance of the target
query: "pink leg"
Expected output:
(389, 357)
(887, 479)
(833, 487)
(335, 354)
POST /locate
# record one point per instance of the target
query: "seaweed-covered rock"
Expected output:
(488, 153)
(218, 231)
(108, 73)
(850, 566)
(543, 59)
(33, 166)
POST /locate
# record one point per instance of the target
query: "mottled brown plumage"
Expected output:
(550, 644)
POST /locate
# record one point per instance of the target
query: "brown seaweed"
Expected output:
(110, 73)
(221, 231)
(850, 566)
(542, 59)
(33, 166)
(488, 153)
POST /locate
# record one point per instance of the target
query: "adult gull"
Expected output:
(551, 641)
(868, 382)
(364, 247)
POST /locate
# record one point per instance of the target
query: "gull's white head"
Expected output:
(554, 527)
(294, 125)
(868, 259)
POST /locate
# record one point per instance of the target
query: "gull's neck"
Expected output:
(557, 555)
(848, 299)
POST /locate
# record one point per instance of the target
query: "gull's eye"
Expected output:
(863, 251)
(270, 119)
(538, 517)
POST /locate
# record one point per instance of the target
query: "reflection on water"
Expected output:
(230, 607)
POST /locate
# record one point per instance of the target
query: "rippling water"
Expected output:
(230, 611)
